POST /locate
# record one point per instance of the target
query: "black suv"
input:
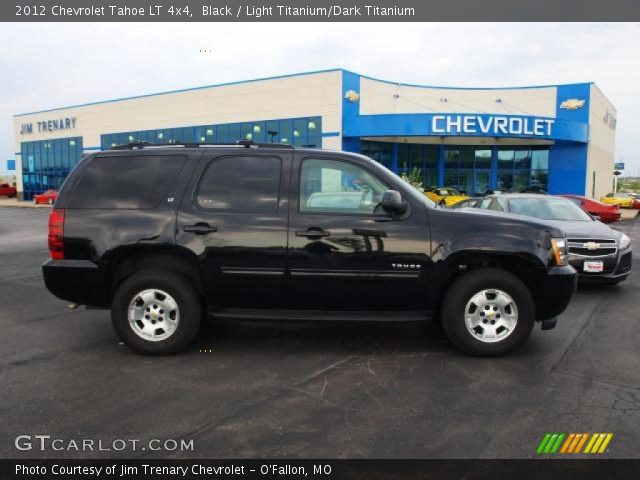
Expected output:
(163, 235)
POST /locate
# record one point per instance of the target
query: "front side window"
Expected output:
(241, 184)
(331, 186)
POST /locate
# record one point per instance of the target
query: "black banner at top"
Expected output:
(319, 10)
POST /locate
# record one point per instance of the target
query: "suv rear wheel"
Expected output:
(156, 312)
(488, 312)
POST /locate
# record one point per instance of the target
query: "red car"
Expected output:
(49, 197)
(636, 201)
(7, 190)
(607, 213)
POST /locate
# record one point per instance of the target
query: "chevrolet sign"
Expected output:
(497, 125)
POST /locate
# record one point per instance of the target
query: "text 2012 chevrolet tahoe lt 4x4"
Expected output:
(164, 235)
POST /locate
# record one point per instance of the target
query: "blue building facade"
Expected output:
(513, 150)
(556, 137)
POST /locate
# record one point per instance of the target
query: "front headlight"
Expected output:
(625, 242)
(560, 251)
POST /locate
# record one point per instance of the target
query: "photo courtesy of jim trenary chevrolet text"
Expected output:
(314, 239)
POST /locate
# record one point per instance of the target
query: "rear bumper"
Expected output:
(78, 281)
(557, 287)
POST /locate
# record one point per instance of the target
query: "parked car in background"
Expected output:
(447, 195)
(7, 190)
(636, 200)
(605, 213)
(49, 197)
(618, 198)
(467, 202)
(597, 252)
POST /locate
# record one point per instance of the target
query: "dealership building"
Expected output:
(558, 137)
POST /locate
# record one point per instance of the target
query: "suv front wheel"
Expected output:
(488, 312)
(156, 312)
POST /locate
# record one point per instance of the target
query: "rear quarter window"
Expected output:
(126, 182)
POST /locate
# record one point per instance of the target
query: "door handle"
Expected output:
(200, 228)
(312, 232)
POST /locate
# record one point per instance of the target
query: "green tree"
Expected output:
(414, 178)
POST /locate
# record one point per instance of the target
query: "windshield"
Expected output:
(448, 193)
(548, 208)
(621, 195)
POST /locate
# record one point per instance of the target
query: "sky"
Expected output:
(46, 66)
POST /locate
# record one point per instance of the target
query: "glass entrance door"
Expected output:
(481, 182)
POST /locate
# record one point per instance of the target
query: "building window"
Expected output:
(467, 168)
(46, 163)
(423, 157)
(381, 152)
(522, 167)
(300, 132)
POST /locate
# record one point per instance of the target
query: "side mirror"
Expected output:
(392, 202)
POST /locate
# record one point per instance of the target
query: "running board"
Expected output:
(319, 315)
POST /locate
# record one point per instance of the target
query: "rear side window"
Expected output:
(241, 184)
(127, 182)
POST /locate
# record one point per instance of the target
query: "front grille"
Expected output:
(588, 247)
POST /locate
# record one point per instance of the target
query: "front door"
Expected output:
(481, 182)
(234, 218)
(345, 252)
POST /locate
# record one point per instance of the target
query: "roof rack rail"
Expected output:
(240, 143)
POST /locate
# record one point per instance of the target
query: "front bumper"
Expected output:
(77, 281)
(616, 269)
(557, 286)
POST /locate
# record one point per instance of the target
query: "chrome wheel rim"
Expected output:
(491, 315)
(153, 315)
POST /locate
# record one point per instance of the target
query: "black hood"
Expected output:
(587, 229)
(595, 230)
(510, 218)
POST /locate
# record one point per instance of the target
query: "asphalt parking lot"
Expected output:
(309, 390)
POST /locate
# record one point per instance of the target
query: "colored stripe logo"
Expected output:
(573, 443)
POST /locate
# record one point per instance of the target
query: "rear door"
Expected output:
(234, 218)
(345, 252)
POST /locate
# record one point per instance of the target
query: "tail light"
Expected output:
(56, 233)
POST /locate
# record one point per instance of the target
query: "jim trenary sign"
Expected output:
(492, 125)
(57, 124)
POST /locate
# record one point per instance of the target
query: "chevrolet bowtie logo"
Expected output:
(352, 96)
(591, 245)
(572, 104)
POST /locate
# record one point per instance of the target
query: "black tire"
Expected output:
(183, 293)
(463, 289)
